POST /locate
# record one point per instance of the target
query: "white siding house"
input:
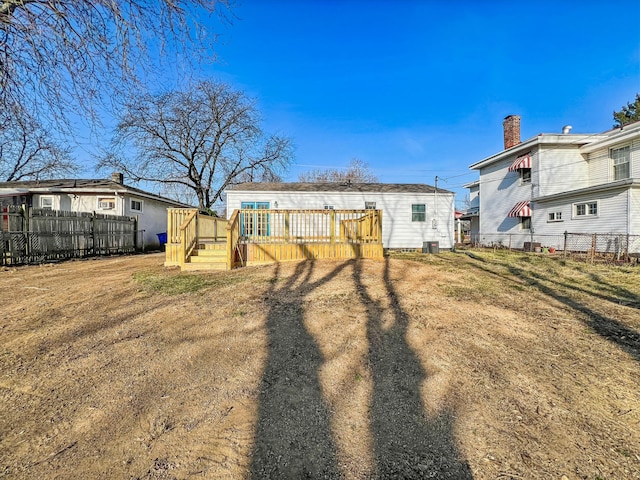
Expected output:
(106, 196)
(411, 213)
(556, 183)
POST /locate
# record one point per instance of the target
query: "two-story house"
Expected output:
(556, 183)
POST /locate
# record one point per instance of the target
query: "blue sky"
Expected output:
(420, 88)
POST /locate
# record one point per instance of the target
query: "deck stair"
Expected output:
(208, 256)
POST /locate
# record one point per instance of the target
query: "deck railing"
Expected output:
(186, 228)
(310, 226)
(267, 236)
(234, 255)
(263, 236)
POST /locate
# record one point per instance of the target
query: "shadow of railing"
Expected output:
(407, 444)
(611, 329)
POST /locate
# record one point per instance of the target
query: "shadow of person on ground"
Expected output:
(293, 438)
(407, 443)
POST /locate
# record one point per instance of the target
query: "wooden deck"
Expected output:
(262, 236)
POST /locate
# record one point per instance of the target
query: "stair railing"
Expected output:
(188, 236)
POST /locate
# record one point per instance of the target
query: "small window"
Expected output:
(46, 203)
(587, 209)
(525, 175)
(328, 207)
(369, 205)
(106, 203)
(136, 205)
(621, 158)
(525, 223)
(418, 213)
(555, 216)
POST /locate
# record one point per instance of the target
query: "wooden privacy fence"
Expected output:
(31, 235)
(265, 236)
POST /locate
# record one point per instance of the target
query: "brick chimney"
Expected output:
(511, 126)
(119, 177)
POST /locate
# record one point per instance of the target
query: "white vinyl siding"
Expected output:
(561, 168)
(398, 230)
(600, 169)
(611, 218)
(634, 220)
(500, 191)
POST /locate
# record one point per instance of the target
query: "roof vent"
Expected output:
(566, 129)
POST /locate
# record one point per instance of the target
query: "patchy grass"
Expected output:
(173, 283)
(483, 365)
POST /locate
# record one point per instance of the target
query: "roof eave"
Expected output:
(543, 138)
(620, 184)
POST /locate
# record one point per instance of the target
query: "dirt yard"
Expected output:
(451, 366)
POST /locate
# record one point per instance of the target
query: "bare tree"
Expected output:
(357, 171)
(205, 139)
(27, 152)
(62, 56)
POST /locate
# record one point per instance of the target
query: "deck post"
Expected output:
(333, 226)
(286, 226)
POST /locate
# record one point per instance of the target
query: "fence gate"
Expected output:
(13, 239)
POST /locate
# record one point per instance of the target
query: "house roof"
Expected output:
(79, 185)
(342, 187)
(542, 139)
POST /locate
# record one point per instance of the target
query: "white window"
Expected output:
(135, 205)
(328, 207)
(418, 212)
(525, 223)
(46, 203)
(369, 205)
(586, 209)
(106, 203)
(621, 158)
(525, 175)
(555, 216)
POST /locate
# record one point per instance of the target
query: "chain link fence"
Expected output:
(586, 246)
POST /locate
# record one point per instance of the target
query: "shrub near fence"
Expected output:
(588, 245)
(37, 235)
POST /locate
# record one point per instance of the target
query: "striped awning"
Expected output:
(521, 162)
(521, 209)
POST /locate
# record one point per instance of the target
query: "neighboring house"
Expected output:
(412, 214)
(556, 183)
(107, 196)
(471, 214)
